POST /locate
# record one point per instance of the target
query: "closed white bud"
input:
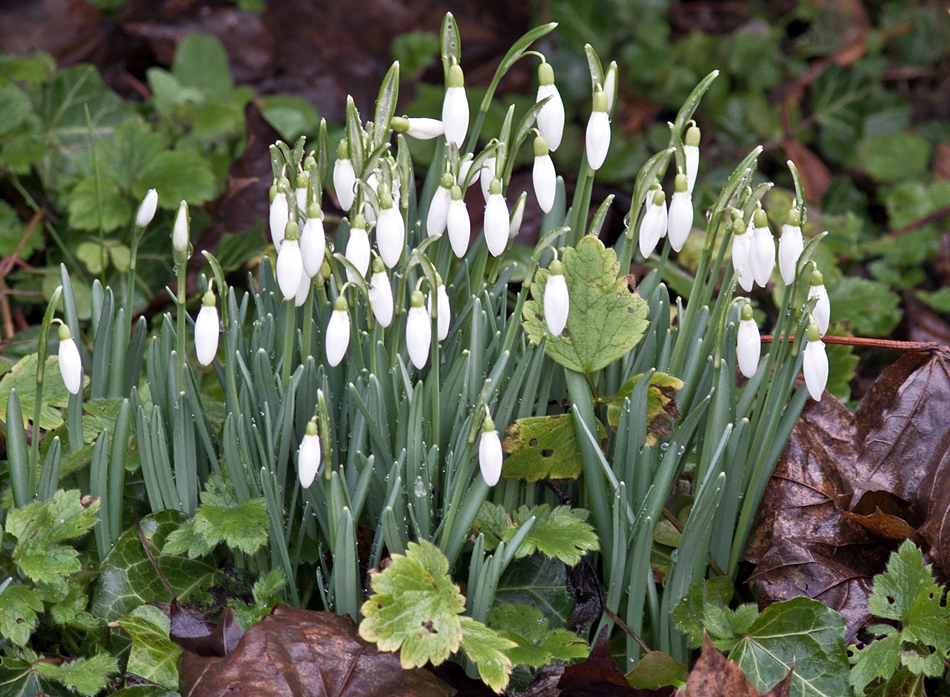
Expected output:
(180, 237)
(70, 363)
(438, 214)
(207, 329)
(490, 454)
(654, 224)
(444, 320)
(279, 215)
(741, 251)
(313, 242)
(610, 85)
(459, 223)
(486, 176)
(455, 108)
(344, 176)
(691, 150)
(309, 456)
(338, 332)
(543, 174)
(418, 128)
(381, 295)
(748, 343)
(762, 254)
(815, 363)
(497, 223)
(303, 290)
(551, 116)
(790, 246)
(289, 268)
(517, 216)
(357, 248)
(557, 302)
(681, 214)
(821, 313)
(147, 209)
(598, 132)
(418, 331)
(390, 235)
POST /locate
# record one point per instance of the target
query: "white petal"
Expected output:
(486, 175)
(289, 268)
(418, 335)
(822, 312)
(653, 228)
(344, 183)
(816, 368)
(390, 236)
(313, 246)
(748, 347)
(545, 182)
(790, 247)
(741, 245)
(308, 460)
(680, 219)
(338, 336)
(551, 116)
(557, 303)
(460, 227)
(762, 255)
(279, 215)
(206, 334)
(496, 224)
(147, 210)
(303, 290)
(70, 365)
(180, 229)
(425, 129)
(490, 457)
(598, 139)
(438, 212)
(444, 319)
(692, 165)
(357, 251)
(455, 115)
(381, 298)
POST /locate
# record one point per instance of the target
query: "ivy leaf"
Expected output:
(487, 649)
(201, 63)
(536, 645)
(18, 607)
(87, 676)
(605, 321)
(178, 175)
(544, 446)
(154, 655)
(661, 404)
(706, 608)
(540, 582)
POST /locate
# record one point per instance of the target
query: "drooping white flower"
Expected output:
(517, 215)
(821, 314)
(762, 252)
(610, 85)
(344, 177)
(279, 213)
(790, 246)
(207, 329)
(381, 294)
(816, 363)
(459, 223)
(444, 319)
(147, 209)
(598, 132)
(70, 363)
(313, 241)
(455, 107)
(303, 290)
(357, 247)
(418, 330)
(300, 193)
(439, 206)
(418, 128)
(180, 236)
(748, 343)
(741, 250)
(338, 332)
(557, 302)
(681, 213)
(309, 456)
(390, 230)
(464, 166)
(369, 211)
(654, 224)
(551, 116)
(497, 223)
(289, 263)
(490, 455)
(486, 176)
(543, 175)
(691, 150)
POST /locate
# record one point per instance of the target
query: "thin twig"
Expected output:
(623, 625)
(5, 266)
(875, 343)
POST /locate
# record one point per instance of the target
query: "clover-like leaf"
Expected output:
(605, 320)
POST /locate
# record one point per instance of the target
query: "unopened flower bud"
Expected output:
(70, 363)
(543, 174)
(598, 132)
(459, 223)
(497, 222)
(207, 329)
(418, 331)
(821, 314)
(681, 213)
(490, 454)
(309, 456)
(748, 343)
(338, 332)
(381, 294)
(790, 246)
(455, 107)
(551, 116)
(147, 209)
(557, 302)
(418, 128)
(180, 235)
(815, 363)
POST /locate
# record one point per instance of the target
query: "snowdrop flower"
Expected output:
(418, 128)
(741, 251)
(357, 247)
(455, 107)
(70, 364)
(180, 235)
(557, 302)
(439, 206)
(369, 212)
(344, 176)
(598, 132)
(748, 344)
(279, 212)
(654, 224)
(418, 331)
(207, 329)
(517, 215)
(289, 263)
(313, 241)
(486, 176)
(444, 318)
(489, 452)
(390, 229)
(691, 150)
(338, 332)
(459, 223)
(497, 223)
(147, 209)
(300, 193)
(790, 246)
(381, 294)
(303, 290)
(543, 174)
(681, 213)
(464, 166)
(610, 86)
(816, 363)
(551, 116)
(309, 455)
(821, 314)
(762, 254)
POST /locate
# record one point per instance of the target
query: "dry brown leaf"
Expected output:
(714, 675)
(600, 676)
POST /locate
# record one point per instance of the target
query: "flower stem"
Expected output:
(180, 271)
(290, 328)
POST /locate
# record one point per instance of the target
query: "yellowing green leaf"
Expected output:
(154, 656)
(18, 607)
(487, 649)
(22, 377)
(544, 446)
(661, 404)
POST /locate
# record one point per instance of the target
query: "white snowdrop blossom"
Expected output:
(418, 128)
(180, 236)
(490, 455)
(279, 213)
(790, 246)
(821, 314)
(598, 132)
(344, 177)
(748, 343)
(357, 247)
(207, 329)
(313, 241)
(654, 223)
(557, 302)
(455, 107)
(338, 332)
(418, 331)
(464, 167)
(390, 230)
(517, 215)
(816, 363)
(438, 215)
(303, 290)
(309, 456)
(543, 175)
(300, 193)
(610, 86)
(289, 263)
(741, 251)
(762, 254)
(381, 294)
(369, 212)
(147, 209)
(459, 223)
(497, 223)
(444, 320)
(681, 213)
(691, 150)
(486, 176)
(551, 116)
(70, 364)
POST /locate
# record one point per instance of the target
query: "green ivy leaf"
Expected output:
(889, 157)
(178, 175)
(487, 649)
(154, 656)
(22, 378)
(19, 606)
(87, 676)
(605, 321)
(544, 446)
(201, 63)
(536, 644)
(540, 582)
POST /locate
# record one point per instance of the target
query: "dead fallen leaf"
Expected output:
(714, 675)
(816, 177)
(193, 631)
(599, 676)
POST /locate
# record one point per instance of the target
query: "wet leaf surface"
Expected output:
(714, 675)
